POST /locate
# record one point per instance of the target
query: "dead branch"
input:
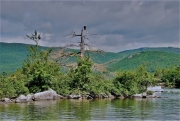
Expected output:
(102, 67)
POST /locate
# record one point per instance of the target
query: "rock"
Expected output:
(23, 99)
(150, 96)
(78, 96)
(137, 96)
(155, 88)
(120, 97)
(144, 94)
(89, 97)
(7, 100)
(29, 97)
(103, 95)
(1, 102)
(111, 96)
(58, 97)
(46, 95)
(154, 95)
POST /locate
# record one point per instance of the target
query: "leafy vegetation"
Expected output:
(128, 83)
(81, 75)
(12, 85)
(171, 77)
(39, 71)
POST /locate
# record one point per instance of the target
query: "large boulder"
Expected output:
(47, 95)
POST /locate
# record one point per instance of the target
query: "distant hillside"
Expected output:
(152, 59)
(161, 49)
(13, 54)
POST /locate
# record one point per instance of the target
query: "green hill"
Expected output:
(13, 54)
(126, 53)
(152, 59)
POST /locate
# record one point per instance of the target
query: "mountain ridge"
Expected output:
(13, 54)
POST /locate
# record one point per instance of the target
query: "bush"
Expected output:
(132, 82)
(12, 85)
(81, 75)
(172, 77)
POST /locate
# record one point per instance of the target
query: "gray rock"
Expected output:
(46, 95)
(120, 97)
(74, 96)
(1, 102)
(21, 99)
(58, 97)
(29, 97)
(151, 96)
(155, 88)
(111, 96)
(144, 94)
(103, 95)
(7, 100)
(137, 96)
(89, 97)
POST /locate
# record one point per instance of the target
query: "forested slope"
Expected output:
(12, 55)
(152, 59)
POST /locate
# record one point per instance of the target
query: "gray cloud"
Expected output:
(119, 25)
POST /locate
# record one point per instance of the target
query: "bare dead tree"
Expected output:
(64, 55)
(82, 43)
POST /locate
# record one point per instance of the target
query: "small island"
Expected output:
(41, 77)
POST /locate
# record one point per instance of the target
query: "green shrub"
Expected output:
(12, 85)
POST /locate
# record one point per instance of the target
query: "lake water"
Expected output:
(165, 108)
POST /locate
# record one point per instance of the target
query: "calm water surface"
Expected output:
(119, 109)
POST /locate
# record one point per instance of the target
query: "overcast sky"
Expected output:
(119, 25)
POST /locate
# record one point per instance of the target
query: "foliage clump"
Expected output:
(128, 83)
(39, 71)
(12, 85)
(171, 77)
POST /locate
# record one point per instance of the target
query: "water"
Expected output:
(165, 108)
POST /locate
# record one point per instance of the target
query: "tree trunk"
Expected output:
(82, 45)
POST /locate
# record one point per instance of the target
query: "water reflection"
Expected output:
(128, 109)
